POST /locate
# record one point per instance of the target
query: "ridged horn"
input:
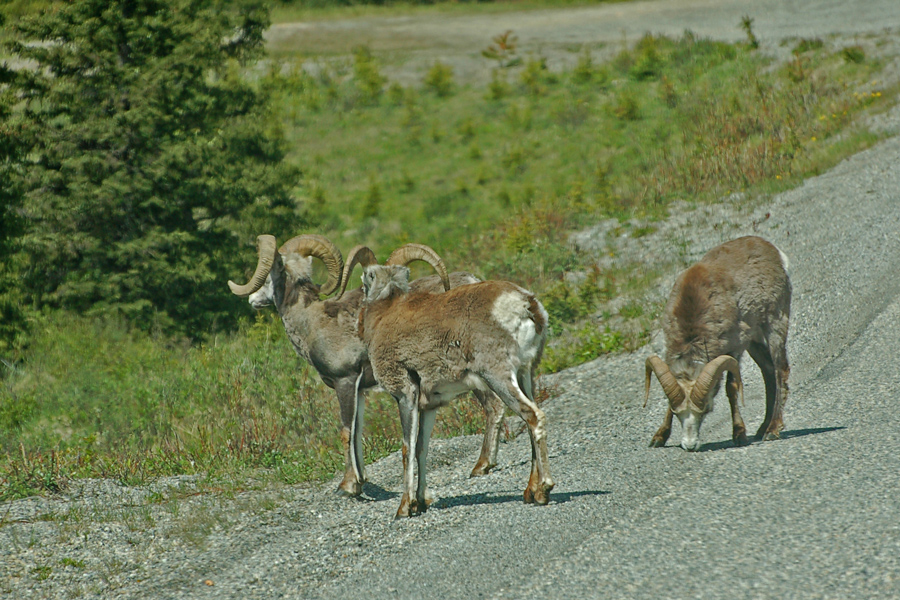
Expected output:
(265, 250)
(710, 375)
(322, 248)
(359, 255)
(410, 252)
(667, 380)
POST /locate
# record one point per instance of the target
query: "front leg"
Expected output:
(408, 406)
(352, 405)
(738, 429)
(661, 436)
(426, 425)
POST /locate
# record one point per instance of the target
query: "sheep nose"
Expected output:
(690, 446)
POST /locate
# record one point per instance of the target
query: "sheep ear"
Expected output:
(400, 275)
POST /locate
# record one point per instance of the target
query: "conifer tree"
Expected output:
(152, 158)
(12, 149)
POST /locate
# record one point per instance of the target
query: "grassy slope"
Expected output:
(494, 177)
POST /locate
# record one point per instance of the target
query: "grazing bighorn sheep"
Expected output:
(325, 335)
(426, 349)
(737, 298)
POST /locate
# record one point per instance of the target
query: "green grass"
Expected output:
(494, 177)
(96, 398)
(495, 180)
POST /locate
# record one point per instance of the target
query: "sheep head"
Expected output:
(292, 261)
(379, 280)
(691, 390)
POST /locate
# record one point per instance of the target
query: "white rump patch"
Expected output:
(784, 260)
(511, 312)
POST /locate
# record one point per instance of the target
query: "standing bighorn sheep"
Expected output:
(325, 335)
(736, 298)
(426, 349)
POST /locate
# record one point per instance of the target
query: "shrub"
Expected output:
(626, 106)
(503, 50)
(584, 68)
(372, 202)
(747, 26)
(853, 54)
(807, 45)
(649, 62)
(498, 88)
(439, 79)
(369, 80)
(534, 76)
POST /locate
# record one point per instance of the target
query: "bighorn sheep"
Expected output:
(325, 335)
(426, 349)
(736, 298)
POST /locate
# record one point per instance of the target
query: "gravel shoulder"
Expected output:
(813, 515)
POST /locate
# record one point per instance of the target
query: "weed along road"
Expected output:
(814, 514)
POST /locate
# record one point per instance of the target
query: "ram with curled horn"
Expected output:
(324, 334)
(737, 298)
(427, 349)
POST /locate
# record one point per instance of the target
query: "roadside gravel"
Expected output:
(813, 515)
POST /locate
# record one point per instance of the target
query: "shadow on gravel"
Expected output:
(375, 493)
(475, 499)
(785, 435)
(812, 431)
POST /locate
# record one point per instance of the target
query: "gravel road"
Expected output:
(813, 515)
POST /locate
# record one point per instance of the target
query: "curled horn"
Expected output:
(711, 373)
(410, 252)
(359, 255)
(320, 247)
(667, 380)
(265, 249)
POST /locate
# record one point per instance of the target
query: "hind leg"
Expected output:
(426, 425)
(774, 370)
(761, 356)
(738, 429)
(540, 482)
(493, 414)
(781, 368)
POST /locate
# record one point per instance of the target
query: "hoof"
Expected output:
(657, 442)
(481, 469)
(540, 496)
(407, 508)
(349, 489)
(741, 440)
(769, 433)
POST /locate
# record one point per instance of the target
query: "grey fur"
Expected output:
(736, 298)
(426, 349)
